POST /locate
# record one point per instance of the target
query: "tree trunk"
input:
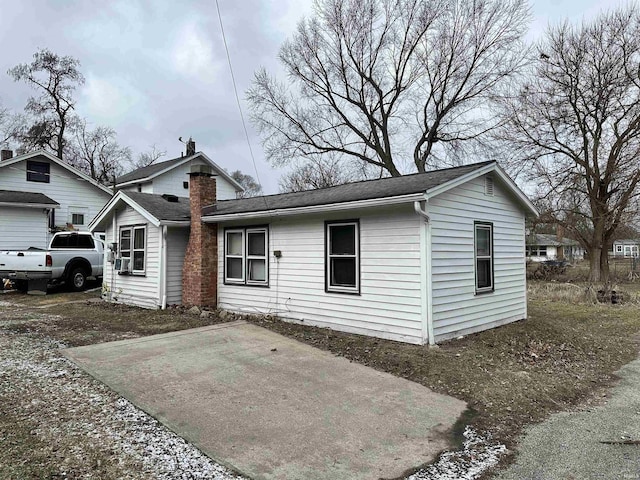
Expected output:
(604, 265)
(594, 264)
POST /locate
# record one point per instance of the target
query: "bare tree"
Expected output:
(55, 78)
(11, 126)
(329, 171)
(97, 153)
(251, 187)
(574, 129)
(149, 157)
(380, 80)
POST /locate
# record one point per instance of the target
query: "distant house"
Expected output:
(171, 177)
(542, 247)
(419, 258)
(626, 248)
(40, 194)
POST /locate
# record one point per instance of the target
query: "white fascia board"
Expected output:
(176, 223)
(29, 205)
(332, 207)
(490, 168)
(53, 158)
(121, 197)
(217, 169)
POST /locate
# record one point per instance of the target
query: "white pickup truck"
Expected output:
(70, 258)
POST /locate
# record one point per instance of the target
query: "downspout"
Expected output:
(425, 268)
(163, 267)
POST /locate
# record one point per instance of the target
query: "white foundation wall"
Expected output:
(389, 305)
(139, 290)
(457, 309)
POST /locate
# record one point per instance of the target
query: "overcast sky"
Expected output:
(157, 70)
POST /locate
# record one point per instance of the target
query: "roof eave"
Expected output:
(121, 196)
(29, 205)
(330, 207)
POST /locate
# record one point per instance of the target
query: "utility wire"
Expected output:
(235, 90)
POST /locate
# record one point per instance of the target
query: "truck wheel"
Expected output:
(78, 280)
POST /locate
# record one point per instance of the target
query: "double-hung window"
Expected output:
(133, 242)
(483, 246)
(38, 171)
(245, 256)
(342, 253)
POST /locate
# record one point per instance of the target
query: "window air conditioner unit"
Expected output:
(123, 265)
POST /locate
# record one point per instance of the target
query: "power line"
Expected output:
(235, 90)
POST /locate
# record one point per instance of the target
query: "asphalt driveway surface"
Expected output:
(274, 408)
(601, 443)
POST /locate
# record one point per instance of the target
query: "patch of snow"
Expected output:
(478, 455)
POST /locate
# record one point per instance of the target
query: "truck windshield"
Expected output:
(72, 241)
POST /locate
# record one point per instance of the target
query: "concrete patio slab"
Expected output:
(274, 408)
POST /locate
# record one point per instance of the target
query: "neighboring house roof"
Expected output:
(626, 242)
(149, 172)
(550, 240)
(382, 191)
(26, 199)
(157, 209)
(54, 159)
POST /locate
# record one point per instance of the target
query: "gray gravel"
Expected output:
(569, 445)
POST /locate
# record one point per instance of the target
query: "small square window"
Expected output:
(185, 185)
(77, 218)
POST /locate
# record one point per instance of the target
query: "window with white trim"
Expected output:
(619, 248)
(246, 259)
(133, 242)
(483, 247)
(342, 254)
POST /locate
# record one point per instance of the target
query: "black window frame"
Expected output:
(328, 287)
(245, 231)
(34, 175)
(487, 289)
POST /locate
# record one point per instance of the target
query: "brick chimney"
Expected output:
(191, 147)
(200, 269)
(5, 155)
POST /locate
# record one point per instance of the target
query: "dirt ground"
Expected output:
(563, 356)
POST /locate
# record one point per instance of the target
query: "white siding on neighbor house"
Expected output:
(171, 183)
(140, 290)
(389, 305)
(552, 254)
(146, 187)
(21, 228)
(457, 309)
(177, 239)
(64, 187)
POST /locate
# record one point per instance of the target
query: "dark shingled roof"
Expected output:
(145, 172)
(161, 208)
(350, 192)
(10, 196)
(546, 239)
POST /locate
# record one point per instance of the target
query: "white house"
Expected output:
(625, 248)
(542, 247)
(419, 258)
(171, 177)
(39, 194)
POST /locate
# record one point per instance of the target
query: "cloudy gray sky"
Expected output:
(157, 70)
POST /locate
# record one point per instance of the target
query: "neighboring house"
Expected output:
(40, 194)
(419, 258)
(625, 248)
(542, 247)
(171, 177)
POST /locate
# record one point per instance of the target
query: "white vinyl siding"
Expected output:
(457, 309)
(65, 188)
(389, 304)
(140, 290)
(22, 228)
(172, 181)
(177, 240)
